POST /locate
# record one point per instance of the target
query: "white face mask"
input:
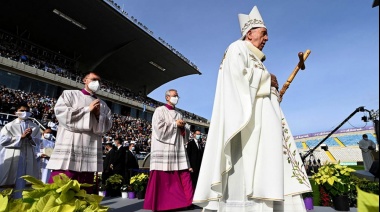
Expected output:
(133, 148)
(198, 137)
(23, 115)
(94, 86)
(174, 100)
(47, 136)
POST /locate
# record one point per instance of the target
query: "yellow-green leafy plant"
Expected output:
(114, 182)
(63, 195)
(5, 195)
(335, 178)
(139, 182)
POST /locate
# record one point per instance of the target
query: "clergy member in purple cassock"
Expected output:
(83, 119)
(17, 156)
(169, 185)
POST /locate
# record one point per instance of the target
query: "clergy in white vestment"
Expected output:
(18, 140)
(169, 186)
(367, 146)
(250, 161)
(44, 149)
(83, 119)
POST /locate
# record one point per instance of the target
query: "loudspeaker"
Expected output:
(375, 169)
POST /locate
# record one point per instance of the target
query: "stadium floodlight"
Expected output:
(157, 66)
(69, 19)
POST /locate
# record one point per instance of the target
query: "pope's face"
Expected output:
(258, 37)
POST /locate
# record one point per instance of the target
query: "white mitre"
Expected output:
(253, 20)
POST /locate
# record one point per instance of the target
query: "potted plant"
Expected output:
(336, 180)
(139, 183)
(128, 189)
(113, 184)
(124, 191)
(365, 186)
(102, 190)
(308, 200)
(64, 194)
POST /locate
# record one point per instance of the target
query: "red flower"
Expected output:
(324, 197)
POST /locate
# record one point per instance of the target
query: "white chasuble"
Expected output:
(78, 146)
(245, 164)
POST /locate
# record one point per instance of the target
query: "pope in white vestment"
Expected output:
(250, 161)
(17, 155)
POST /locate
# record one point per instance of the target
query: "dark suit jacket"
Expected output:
(131, 161)
(108, 160)
(119, 161)
(195, 155)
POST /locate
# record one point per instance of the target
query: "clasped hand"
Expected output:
(95, 107)
(27, 133)
(180, 123)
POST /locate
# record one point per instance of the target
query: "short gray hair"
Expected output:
(167, 93)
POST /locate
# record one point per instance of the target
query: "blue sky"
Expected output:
(342, 71)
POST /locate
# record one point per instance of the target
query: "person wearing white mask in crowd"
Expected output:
(83, 119)
(44, 149)
(18, 140)
(169, 186)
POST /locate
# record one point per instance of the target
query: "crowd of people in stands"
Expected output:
(29, 54)
(126, 128)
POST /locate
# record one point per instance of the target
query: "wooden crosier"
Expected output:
(301, 65)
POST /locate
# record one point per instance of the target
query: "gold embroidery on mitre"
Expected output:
(252, 22)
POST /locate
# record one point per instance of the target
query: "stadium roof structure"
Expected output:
(99, 37)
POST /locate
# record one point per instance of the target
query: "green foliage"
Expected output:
(139, 182)
(102, 187)
(366, 185)
(64, 195)
(334, 178)
(115, 181)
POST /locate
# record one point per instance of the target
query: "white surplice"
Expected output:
(250, 155)
(366, 153)
(78, 146)
(168, 144)
(44, 144)
(17, 155)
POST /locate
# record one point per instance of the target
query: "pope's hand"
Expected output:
(274, 82)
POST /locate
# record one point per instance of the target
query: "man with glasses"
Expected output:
(169, 185)
(18, 140)
(83, 119)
